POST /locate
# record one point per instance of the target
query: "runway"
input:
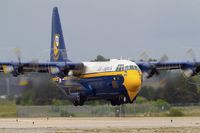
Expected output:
(101, 124)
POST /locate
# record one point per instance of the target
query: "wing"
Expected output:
(60, 69)
(153, 68)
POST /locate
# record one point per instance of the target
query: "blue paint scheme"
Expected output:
(145, 66)
(57, 29)
(96, 87)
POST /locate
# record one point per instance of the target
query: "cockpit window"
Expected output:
(131, 67)
(127, 68)
(137, 68)
(120, 67)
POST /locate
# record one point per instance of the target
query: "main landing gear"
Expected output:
(118, 100)
(79, 100)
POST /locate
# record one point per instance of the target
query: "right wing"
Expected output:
(60, 69)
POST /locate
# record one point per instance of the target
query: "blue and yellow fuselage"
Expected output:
(105, 80)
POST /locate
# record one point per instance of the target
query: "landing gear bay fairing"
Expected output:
(117, 81)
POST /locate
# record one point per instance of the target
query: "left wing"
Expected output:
(153, 68)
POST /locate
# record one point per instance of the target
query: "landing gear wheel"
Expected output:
(118, 100)
(75, 102)
(79, 100)
(113, 103)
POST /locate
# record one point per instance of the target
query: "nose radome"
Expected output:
(132, 82)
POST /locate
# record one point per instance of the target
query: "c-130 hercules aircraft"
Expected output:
(118, 81)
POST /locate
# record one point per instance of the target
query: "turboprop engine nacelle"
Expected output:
(191, 69)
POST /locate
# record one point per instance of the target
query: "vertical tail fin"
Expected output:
(58, 51)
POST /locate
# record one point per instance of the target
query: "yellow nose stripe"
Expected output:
(132, 82)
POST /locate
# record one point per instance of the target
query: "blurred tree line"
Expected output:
(41, 91)
(100, 58)
(177, 89)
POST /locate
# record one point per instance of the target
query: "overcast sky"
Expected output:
(113, 28)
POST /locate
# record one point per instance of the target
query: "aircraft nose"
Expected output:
(132, 82)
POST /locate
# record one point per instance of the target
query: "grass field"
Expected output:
(9, 109)
(189, 110)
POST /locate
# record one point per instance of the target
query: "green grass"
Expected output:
(175, 112)
(8, 109)
(189, 110)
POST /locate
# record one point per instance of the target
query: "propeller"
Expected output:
(150, 67)
(164, 58)
(18, 54)
(62, 71)
(18, 69)
(191, 54)
(191, 68)
(144, 57)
